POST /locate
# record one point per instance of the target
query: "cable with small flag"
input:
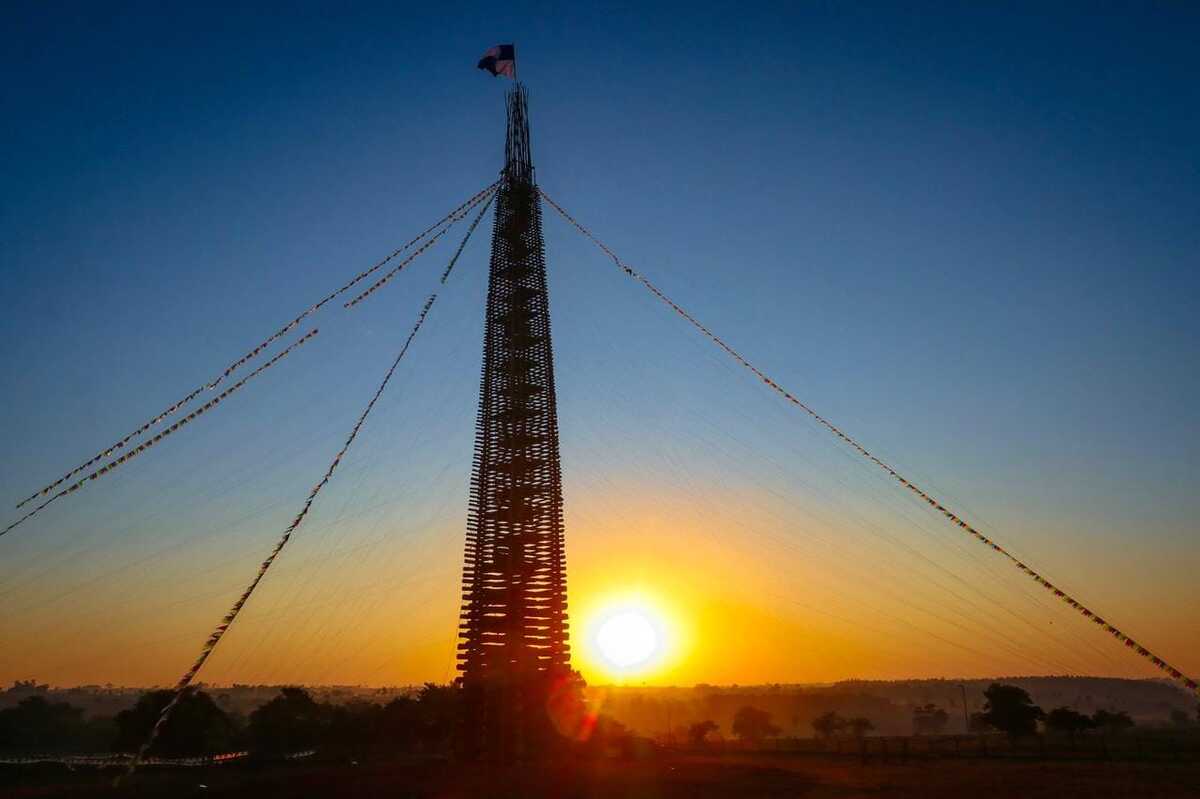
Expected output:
(953, 517)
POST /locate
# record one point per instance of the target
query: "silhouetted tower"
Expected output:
(514, 614)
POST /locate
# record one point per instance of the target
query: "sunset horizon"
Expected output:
(417, 387)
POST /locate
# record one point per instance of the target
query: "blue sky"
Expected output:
(968, 235)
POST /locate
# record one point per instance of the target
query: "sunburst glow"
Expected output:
(627, 639)
(629, 635)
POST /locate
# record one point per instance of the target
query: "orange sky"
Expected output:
(739, 600)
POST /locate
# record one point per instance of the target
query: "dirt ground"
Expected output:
(661, 777)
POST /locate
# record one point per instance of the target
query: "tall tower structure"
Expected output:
(513, 631)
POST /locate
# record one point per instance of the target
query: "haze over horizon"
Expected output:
(968, 237)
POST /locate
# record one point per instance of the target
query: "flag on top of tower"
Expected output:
(500, 60)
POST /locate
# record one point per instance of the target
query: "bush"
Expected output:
(828, 724)
(1066, 720)
(753, 725)
(859, 726)
(929, 720)
(1112, 721)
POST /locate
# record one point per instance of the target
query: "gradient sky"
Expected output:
(969, 236)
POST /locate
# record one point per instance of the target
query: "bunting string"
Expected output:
(113, 448)
(185, 682)
(462, 244)
(953, 517)
(448, 220)
(396, 269)
(147, 444)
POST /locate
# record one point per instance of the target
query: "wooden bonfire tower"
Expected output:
(513, 648)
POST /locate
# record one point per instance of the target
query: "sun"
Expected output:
(627, 639)
(630, 634)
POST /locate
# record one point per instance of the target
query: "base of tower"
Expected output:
(507, 719)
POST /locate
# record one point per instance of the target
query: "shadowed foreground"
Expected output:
(685, 776)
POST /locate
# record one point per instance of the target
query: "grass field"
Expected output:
(686, 776)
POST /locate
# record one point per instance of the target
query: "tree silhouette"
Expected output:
(439, 708)
(1066, 720)
(196, 727)
(698, 733)
(294, 722)
(37, 724)
(752, 725)
(1112, 721)
(859, 726)
(929, 719)
(398, 723)
(1010, 709)
(828, 724)
(291, 722)
(352, 729)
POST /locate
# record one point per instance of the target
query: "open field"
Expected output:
(662, 777)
